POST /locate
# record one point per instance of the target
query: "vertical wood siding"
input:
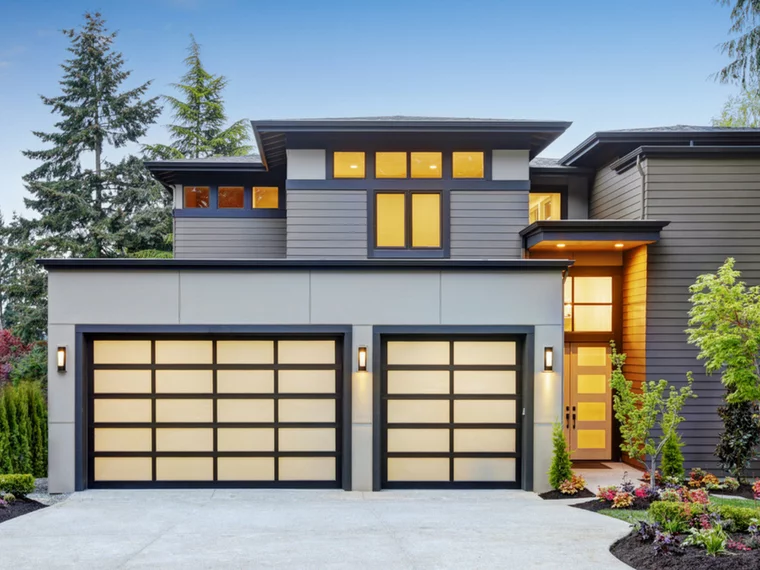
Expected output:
(634, 314)
(616, 196)
(487, 224)
(229, 238)
(327, 224)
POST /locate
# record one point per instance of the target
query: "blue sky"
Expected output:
(599, 63)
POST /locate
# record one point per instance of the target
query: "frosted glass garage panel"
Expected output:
(122, 381)
(485, 469)
(245, 439)
(418, 411)
(418, 382)
(184, 469)
(184, 439)
(184, 352)
(123, 469)
(244, 381)
(245, 352)
(307, 381)
(592, 356)
(184, 381)
(485, 411)
(485, 440)
(307, 410)
(486, 352)
(417, 353)
(245, 469)
(187, 411)
(307, 469)
(123, 439)
(418, 469)
(306, 352)
(485, 382)
(122, 411)
(121, 352)
(244, 411)
(306, 439)
(418, 440)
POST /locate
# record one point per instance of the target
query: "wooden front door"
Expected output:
(588, 401)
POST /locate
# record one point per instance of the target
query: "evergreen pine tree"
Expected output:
(562, 467)
(672, 458)
(198, 130)
(6, 466)
(14, 434)
(24, 426)
(38, 419)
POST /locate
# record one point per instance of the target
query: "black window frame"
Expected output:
(247, 211)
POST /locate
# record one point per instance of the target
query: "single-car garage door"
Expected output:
(450, 413)
(214, 412)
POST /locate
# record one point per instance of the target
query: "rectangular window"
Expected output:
(196, 197)
(348, 165)
(467, 165)
(266, 197)
(588, 304)
(390, 165)
(231, 197)
(391, 220)
(545, 207)
(408, 220)
(426, 165)
(426, 220)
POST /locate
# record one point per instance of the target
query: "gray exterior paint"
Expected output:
(714, 210)
(487, 224)
(229, 238)
(323, 223)
(616, 196)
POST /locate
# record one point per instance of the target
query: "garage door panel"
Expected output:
(123, 468)
(123, 439)
(184, 352)
(485, 440)
(418, 411)
(306, 352)
(485, 353)
(184, 411)
(184, 439)
(418, 440)
(121, 352)
(245, 352)
(306, 439)
(122, 411)
(307, 381)
(485, 411)
(245, 411)
(485, 382)
(245, 469)
(316, 411)
(122, 381)
(245, 439)
(417, 353)
(184, 381)
(245, 381)
(418, 469)
(484, 469)
(418, 381)
(307, 468)
(184, 469)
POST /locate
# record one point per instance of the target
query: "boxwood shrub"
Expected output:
(676, 517)
(18, 485)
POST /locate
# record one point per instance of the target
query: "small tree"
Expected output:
(672, 458)
(658, 405)
(562, 467)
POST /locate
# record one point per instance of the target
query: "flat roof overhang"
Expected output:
(590, 235)
(169, 172)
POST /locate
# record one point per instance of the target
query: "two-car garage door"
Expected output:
(215, 412)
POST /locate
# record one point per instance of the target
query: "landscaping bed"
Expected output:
(19, 507)
(556, 495)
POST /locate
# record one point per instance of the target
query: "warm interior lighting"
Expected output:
(619, 245)
(560, 245)
(348, 164)
(548, 359)
(433, 166)
(543, 206)
(61, 358)
(354, 166)
(362, 359)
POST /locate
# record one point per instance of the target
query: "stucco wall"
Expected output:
(335, 297)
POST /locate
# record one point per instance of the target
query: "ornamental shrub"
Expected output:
(740, 517)
(23, 430)
(672, 458)
(17, 485)
(562, 467)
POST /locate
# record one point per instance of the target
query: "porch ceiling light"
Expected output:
(61, 358)
(362, 359)
(548, 358)
(560, 245)
(619, 245)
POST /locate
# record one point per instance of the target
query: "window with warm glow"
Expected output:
(266, 197)
(390, 165)
(231, 197)
(348, 165)
(426, 164)
(420, 212)
(588, 304)
(545, 207)
(196, 197)
(467, 165)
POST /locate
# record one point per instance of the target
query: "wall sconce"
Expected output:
(362, 359)
(61, 358)
(548, 358)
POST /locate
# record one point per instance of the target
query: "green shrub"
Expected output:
(23, 420)
(675, 517)
(562, 467)
(31, 367)
(18, 485)
(672, 458)
(740, 517)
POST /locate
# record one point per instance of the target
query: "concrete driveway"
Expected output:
(309, 529)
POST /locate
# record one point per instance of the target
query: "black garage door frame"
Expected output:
(524, 335)
(84, 334)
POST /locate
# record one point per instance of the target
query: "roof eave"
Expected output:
(629, 160)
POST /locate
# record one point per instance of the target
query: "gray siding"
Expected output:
(714, 211)
(616, 196)
(327, 224)
(487, 224)
(229, 238)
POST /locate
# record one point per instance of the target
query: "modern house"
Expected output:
(396, 302)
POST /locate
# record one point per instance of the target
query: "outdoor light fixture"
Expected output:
(548, 359)
(362, 359)
(619, 245)
(61, 358)
(560, 245)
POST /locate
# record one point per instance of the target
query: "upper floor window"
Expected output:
(390, 165)
(348, 165)
(588, 304)
(408, 220)
(266, 197)
(427, 164)
(234, 201)
(402, 165)
(231, 197)
(196, 197)
(467, 165)
(545, 207)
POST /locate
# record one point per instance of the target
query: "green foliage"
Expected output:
(712, 539)
(6, 463)
(19, 484)
(198, 130)
(744, 48)
(672, 458)
(658, 405)
(32, 366)
(25, 413)
(675, 517)
(740, 437)
(741, 111)
(740, 517)
(562, 467)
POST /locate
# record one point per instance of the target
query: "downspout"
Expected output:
(643, 175)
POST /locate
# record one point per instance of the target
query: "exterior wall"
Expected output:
(634, 314)
(714, 210)
(577, 199)
(229, 238)
(510, 165)
(359, 298)
(327, 224)
(487, 224)
(306, 164)
(616, 196)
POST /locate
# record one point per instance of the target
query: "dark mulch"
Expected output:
(19, 507)
(555, 495)
(641, 556)
(597, 505)
(743, 491)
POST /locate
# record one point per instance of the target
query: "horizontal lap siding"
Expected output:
(229, 238)
(714, 211)
(616, 196)
(327, 224)
(487, 224)
(634, 314)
